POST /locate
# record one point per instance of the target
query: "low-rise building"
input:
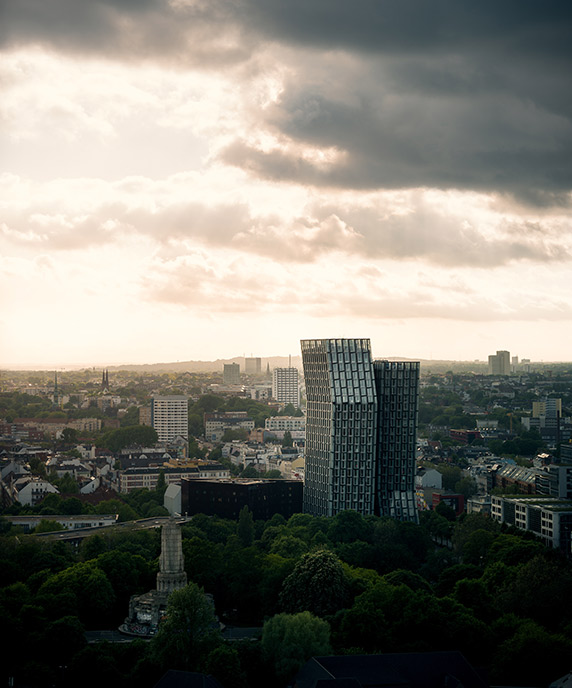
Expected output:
(217, 423)
(225, 498)
(69, 522)
(550, 518)
(147, 477)
(30, 491)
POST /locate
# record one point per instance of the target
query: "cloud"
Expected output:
(394, 94)
(220, 284)
(180, 33)
(181, 214)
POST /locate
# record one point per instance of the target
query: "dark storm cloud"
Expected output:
(448, 94)
(157, 30)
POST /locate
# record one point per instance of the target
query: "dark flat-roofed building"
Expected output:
(225, 498)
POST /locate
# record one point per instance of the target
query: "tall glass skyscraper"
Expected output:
(360, 430)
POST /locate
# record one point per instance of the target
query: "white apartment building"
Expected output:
(285, 387)
(170, 417)
(283, 423)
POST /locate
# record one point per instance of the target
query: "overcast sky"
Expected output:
(195, 179)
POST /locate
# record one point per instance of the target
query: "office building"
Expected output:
(231, 374)
(253, 366)
(170, 417)
(285, 387)
(499, 363)
(225, 498)
(360, 430)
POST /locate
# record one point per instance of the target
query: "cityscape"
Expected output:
(268, 498)
(285, 364)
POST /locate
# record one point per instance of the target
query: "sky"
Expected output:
(201, 179)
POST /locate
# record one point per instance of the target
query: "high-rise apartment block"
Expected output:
(253, 366)
(170, 417)
(360, 430)
(285, 387)
(499, 363)
(231, 374)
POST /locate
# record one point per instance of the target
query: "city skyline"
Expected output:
(182, 180)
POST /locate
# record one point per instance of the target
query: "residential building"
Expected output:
(147, 477)
(550, 518)
(170, 417)
(548, 407)
(360, 430)
(145, 415)
(217, 423)
(499, 363)
(231, 374)
(30, 491)
(285, 387)
(282, 423)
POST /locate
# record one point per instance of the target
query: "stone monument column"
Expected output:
(172, 575)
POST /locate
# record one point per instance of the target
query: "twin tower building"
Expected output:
(361, 429)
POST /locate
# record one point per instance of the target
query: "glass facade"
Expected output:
(360, 430)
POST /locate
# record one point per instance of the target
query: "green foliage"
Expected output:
(90, 587)
(141, 435)
(288, 547)
(188, 632)
(318, 584)
(512, 549)
(250, 472)
(245, 526)
(446, 511)
(47, 526)
(231, 434)
(289, 640)
(512, 661)
(116, 506)
(224, 664)
(67, 484)
(451, 475)
(131, 417)
(403, 577)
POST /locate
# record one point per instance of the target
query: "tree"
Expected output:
(318, 584)
(116, 506)
(161, 485)
(69, 436)
(224, 664)
(72, 505)
(287, 440)
(289, 640)
(91, 588)
(235, 434)
(47, 526)
(188, 630)
(467, 487)
(245, 526)
(250, 472)
(142, 435)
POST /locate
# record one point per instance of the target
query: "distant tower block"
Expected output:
(172, 575)
(231, 374)
(253, 366)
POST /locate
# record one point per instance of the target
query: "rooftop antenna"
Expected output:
(289, 360)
